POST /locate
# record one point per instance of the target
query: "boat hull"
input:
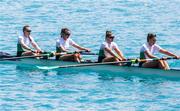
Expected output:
(112, 69)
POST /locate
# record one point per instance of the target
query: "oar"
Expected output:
(88, 53)
(23, 57)
(133, 61)
(49, 54)
(81, 52)
(155, 59)
(83, 65)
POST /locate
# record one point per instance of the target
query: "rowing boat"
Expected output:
(103, 68)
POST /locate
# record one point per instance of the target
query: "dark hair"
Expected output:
(25, 27)
(150, 36)
(108, 33)
(65, 31)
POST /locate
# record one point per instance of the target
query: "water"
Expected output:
(130, 21)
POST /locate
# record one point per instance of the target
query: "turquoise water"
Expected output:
(130, 20)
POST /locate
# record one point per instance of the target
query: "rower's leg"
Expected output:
(151, 64)
(110, 59)
(28, 53)
(77, 57)
(167, 65)
(70, 57)
(163, 65)
(67, 57)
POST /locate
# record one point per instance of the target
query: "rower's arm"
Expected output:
(62, 49)
(80, 48)
(110, 52)
(120, 54)
(34, 44)
(24, 45)
(167, 52)
(150, 55)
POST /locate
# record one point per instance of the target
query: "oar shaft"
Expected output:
(93, 64)
(42, 55)
(133, 61)
(22, 57)
(108, 63)
(155, 59)
(83, 53)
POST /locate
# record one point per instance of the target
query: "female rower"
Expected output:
(24, 41)
(109, 51)
(148, 50)
(62, 45)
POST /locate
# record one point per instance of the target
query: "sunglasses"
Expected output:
(67, 34)
(111, 37)
(28, 30)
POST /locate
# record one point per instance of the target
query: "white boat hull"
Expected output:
(120, 70)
